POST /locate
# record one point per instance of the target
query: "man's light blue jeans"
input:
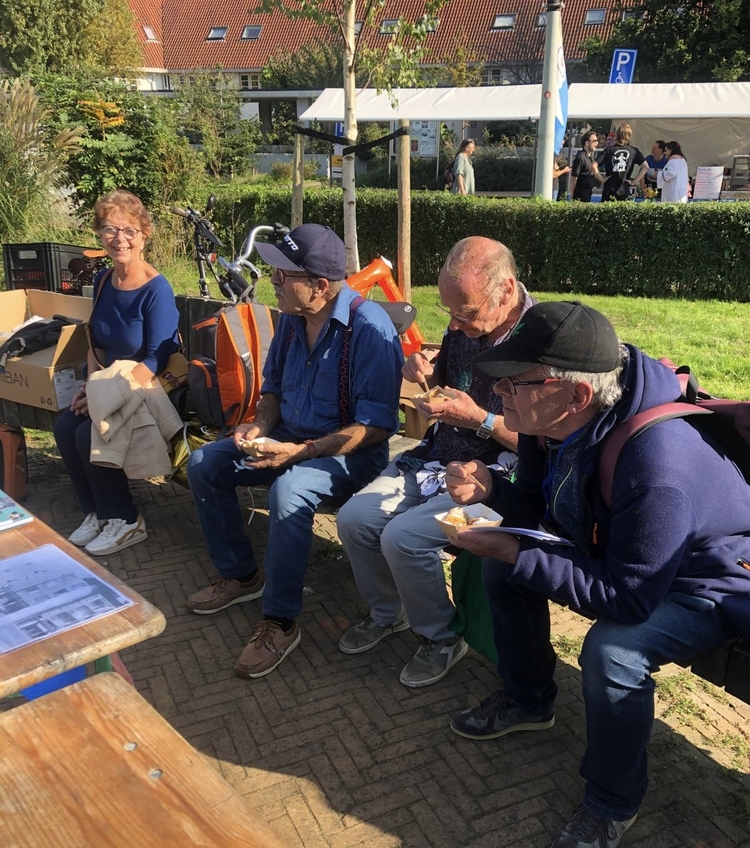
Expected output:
(617, 662)
(295, 492)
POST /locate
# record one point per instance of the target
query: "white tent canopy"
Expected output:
(711, 120)
(521, 102)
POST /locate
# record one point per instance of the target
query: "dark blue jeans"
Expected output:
(104, 491)
(216, 471)
(617, 662)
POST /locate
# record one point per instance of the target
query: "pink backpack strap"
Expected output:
(620, 435)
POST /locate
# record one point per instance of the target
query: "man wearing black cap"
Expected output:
(329, 402)
(660, 569)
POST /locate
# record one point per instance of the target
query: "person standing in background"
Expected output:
(585, 172)
(619, 162)
(673, 177)
(463, 170)
(656, 160)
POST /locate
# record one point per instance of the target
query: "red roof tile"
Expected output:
(185, 24)
(148, 13)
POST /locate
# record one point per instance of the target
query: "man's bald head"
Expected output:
(477, 264)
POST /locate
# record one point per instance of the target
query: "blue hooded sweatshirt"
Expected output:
(679, 521)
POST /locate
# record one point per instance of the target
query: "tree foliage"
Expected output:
(693, 41)
(462, 68)
(62, 35)
(314, 66)
(210, 112)
(129, 141)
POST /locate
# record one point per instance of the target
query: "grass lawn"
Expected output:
(710, 336)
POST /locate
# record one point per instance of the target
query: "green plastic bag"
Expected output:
(473, 619)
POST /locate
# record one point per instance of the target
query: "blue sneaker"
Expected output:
(497, 716)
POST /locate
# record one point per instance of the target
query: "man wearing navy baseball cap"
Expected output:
(329, 403)
(654, 552)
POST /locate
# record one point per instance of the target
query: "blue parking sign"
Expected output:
(623, 66)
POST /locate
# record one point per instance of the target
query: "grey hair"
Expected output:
(606, 385)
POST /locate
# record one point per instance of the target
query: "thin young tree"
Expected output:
(386, 68)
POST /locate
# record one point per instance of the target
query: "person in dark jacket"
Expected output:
(664, 570)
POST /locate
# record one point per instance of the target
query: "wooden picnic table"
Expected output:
(94, 764)
(61, 652)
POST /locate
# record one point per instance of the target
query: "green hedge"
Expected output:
(696, 251)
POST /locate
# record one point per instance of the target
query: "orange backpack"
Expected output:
(225, 378)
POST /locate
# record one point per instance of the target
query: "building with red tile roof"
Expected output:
(507, 35)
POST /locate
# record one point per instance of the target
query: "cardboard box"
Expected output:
(48, 378)
(415, 425)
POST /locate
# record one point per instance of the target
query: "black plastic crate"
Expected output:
(47, 266)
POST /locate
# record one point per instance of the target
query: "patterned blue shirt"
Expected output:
(307, 382)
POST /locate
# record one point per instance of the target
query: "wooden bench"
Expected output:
(94, 764)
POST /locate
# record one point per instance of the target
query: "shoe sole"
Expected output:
(253, 675)
(134, 540)
(397, 628)
(420, 683)
(83, 544)
(532, 725)
(251, 597)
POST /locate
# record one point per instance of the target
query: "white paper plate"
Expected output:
(475, 511)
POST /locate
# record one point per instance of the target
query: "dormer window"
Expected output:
(358, 27)
(541, 21)
(150, 33)
(251, 33)
(595, 17)
(217, 33)
(388, 26)
(502, 22)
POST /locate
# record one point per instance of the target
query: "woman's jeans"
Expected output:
(295, 492)
(104, 491)
(617, 661)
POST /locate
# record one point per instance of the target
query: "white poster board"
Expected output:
(708, 182)
(424, 138)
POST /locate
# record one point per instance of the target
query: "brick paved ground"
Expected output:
(333, 751)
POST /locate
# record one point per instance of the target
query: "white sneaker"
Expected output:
(116, 536)
(88, 531)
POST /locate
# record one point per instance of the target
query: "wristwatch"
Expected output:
(485, 431)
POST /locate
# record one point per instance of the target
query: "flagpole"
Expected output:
(546, 127)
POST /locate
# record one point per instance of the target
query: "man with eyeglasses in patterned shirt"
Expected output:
(388, 529)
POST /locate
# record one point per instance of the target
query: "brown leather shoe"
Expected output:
(267, 647)
(222, 593)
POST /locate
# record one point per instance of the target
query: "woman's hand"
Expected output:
(80, 404)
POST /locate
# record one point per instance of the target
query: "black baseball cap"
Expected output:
(563, 334)
(310, 247)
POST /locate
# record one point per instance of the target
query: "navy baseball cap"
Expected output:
(310, 247)
(564, 334)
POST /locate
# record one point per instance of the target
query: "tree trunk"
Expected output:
(404, 213)
(350, 131)
(298, 180)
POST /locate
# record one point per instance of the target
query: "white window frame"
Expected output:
(253, 81)
(593, 15)
(247, 29)
(150, 33)
(498, 24)
(388, 26)
(213, 33)
(358, 27)
(541, 21)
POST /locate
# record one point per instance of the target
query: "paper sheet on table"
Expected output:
(539, 535)
(44, 592)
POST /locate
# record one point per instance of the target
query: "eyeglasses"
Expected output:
(289, 277)
(465, 319)
(111, 232)
(514, 384)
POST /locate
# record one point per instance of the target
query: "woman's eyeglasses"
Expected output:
(111, 232)
(514, 384)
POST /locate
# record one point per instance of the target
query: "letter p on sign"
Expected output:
(623, 66)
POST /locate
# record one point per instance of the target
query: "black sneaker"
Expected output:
(497, 716)
(588, 830)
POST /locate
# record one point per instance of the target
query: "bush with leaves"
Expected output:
(695, 251)
(130, 141)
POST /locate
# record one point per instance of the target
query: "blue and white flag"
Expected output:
(561, 101)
